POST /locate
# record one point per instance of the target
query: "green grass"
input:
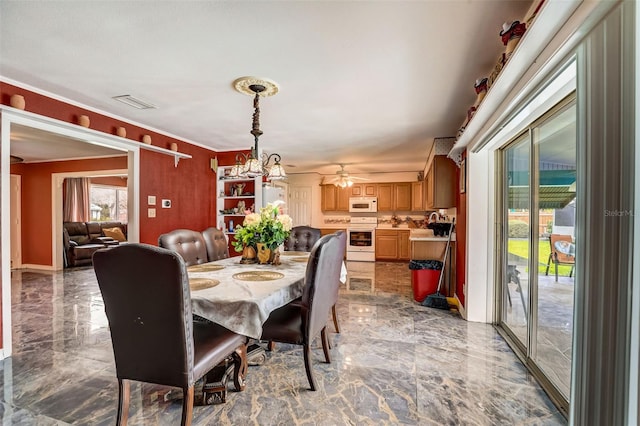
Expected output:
(521, 248)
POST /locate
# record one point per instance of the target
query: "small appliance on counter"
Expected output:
(440, 229)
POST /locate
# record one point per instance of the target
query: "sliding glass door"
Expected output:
(538, 245)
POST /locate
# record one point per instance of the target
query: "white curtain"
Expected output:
(76, 200)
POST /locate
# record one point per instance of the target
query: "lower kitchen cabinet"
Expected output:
(392, 244)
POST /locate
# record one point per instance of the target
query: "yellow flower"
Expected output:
(286, 222)
(251, 219)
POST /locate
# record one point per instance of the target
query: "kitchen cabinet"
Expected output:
(417, 196)
(392, 244)
(394, 196)
(440, 183)
(364, 190)
(334, 198)
(434, 248)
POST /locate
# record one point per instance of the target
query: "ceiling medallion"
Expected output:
(243, 84)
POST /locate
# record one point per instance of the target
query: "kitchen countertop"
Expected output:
(427, 235)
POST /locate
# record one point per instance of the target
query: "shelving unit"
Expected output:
(227, 200)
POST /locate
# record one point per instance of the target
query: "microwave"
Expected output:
(363, 204)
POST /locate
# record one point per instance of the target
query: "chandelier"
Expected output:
(256, 164)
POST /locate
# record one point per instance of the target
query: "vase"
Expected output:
(267, 256)
(17, 101)
(248, 255)
(84, 121)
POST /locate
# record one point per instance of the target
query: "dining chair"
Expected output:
(146, 295)
(216, 244)
(562, 252)
(302, 238)
(300, 321)
(187, 243)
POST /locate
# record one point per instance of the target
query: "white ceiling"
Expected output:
(368, 84)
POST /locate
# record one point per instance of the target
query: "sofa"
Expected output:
(82, 239)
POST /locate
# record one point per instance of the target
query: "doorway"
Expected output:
(536, 306)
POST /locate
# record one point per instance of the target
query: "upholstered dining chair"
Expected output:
(562, 252)
(147, 300)
(187, 243)
(216, 244)
(302, 238)
(300, 321)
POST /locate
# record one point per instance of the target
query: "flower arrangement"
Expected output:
(269, 227)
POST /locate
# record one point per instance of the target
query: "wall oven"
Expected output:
(363, 204)
(361, 239)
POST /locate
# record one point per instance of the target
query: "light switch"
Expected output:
(151, 212)
(151, 200)
(166, 204)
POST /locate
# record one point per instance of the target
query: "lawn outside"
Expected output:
(520, 248)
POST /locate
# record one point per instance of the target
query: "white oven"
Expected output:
(361, 239)
(363, 204)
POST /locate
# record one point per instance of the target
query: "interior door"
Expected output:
(300, 204)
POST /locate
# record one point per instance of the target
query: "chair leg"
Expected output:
(187, 406)
(124, 392)
(548, 264)
(556, 271)
(325, 344)
(571, 271)
(307, 365)
(240, 367)
(271, 345)
(335, 319)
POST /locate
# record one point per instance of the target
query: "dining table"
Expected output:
(240, 296)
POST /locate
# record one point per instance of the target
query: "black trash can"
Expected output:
(425, 275)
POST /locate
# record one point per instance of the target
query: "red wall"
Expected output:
(461, 239)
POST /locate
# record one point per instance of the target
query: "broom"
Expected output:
(438, 300)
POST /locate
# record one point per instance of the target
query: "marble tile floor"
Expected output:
(395, 362)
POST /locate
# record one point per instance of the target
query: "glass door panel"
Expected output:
(515, 275)
(555, 150)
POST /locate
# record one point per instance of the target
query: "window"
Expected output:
(108, 203)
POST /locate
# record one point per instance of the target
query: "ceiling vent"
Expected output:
(134, 102)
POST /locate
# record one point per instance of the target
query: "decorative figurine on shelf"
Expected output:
(481, 90)
(239, 187)
(241, 206)
(511, 34)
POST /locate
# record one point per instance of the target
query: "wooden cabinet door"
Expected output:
(402, 196)
(356, 190)
(444, 182)
(369, 189)
(429, 189)
(342, 204)
(329, 201)
(385, 197)
(404, 248)
(417, 196)
(386, 245)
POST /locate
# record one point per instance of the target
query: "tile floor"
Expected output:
(395, 362)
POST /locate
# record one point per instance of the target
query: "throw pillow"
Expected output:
(115, 233)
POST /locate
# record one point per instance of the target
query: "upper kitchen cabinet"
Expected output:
(364, 190)
(440, 184)
(394, 196)
(334, 199)
(417, 196)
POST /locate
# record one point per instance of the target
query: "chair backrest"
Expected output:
(146, 296)
(562, 239)
(322, 275)
(216, 244)
(189, 244)
(302, 238)
(342, 239)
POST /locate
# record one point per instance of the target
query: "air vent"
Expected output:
(134, 102)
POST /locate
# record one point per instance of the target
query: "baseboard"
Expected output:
(37, 267)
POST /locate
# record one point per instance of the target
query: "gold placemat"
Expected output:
(204, 268)
(202, 283)
(295, 253)
(258, 276)
(301, 259)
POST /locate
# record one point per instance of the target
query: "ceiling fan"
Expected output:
(342, 178)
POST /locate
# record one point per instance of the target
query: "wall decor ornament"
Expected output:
(146, 139)
(84, 121)
(122, 132)
(17, 101)
(511, 34)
